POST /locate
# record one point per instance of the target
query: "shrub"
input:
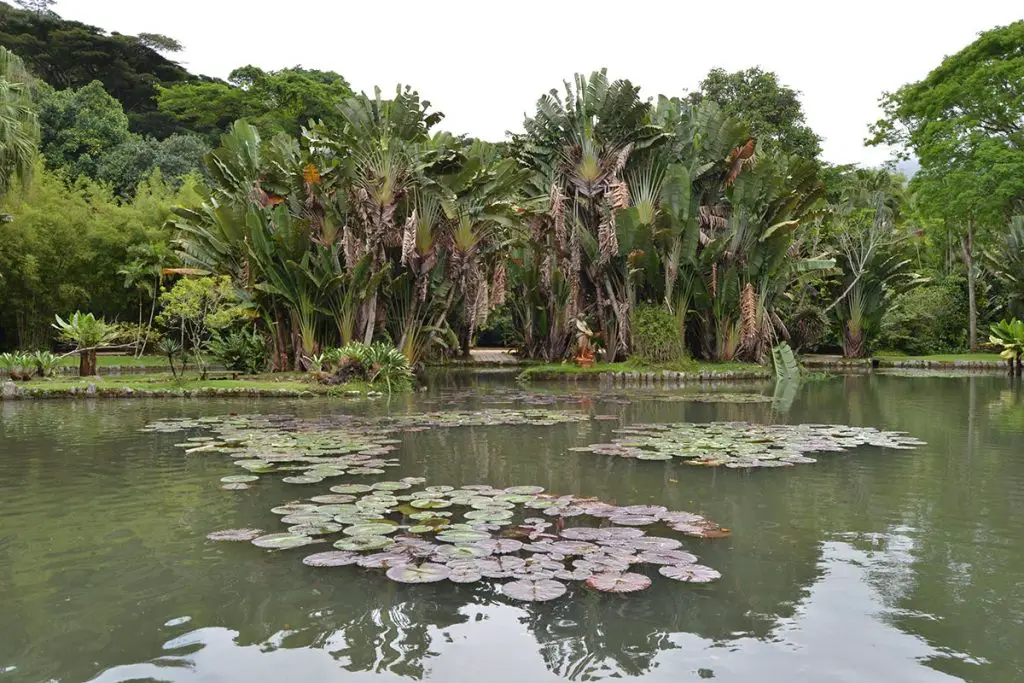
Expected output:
(807, 328)
(45, 362)
(656, 335)
(377, 363)
(928, 319)
(240, 350)
(19, 366)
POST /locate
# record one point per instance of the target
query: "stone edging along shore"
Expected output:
(9, 391)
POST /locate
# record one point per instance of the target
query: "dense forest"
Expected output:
(303, 215)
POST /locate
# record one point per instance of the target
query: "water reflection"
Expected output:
(867, 566)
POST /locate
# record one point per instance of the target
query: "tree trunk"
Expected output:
(87, 363)
(967, 245)
(371, 318)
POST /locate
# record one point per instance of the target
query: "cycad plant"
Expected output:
(89, 334)
(1009, 335)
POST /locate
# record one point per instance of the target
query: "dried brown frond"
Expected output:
(713, 281)
(607, 239)
(620, 195)
(740, 158)
(557, 211)
(748, 317)
(622, 158)
(258, 197)
(409, 238)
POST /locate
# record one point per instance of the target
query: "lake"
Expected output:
(869, 565)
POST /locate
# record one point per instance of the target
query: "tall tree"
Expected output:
(273, 101)
(79, 125)
(965, 123)
(69, 54)
(770, 110)
(19, 125)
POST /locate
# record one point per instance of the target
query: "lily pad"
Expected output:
(691, 573)
(461, 536)
(428, 572)
(499, 546)
(333, 498)
(673, 557)
(525, 490)
(239, 479)
(371, 529)
(235, 487)
(235, 535)
(351, 488)
(331, 558)
(534, 590)
(282, 541)
(358, 543)
(625, 582)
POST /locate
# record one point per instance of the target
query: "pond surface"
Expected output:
(870, 565)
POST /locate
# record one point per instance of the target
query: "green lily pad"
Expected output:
(359, 543)
(372, 529)
(428, 572)
(461, 536)
(282, 541)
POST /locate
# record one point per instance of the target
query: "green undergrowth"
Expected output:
(546, 370)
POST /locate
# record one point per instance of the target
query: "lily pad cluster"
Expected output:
(533, 542)
(713, 397)
(743, 445)
(309, 451)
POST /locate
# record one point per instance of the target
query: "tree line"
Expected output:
(703, 224)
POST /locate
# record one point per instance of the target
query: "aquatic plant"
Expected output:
(418, 533)
(741, 444)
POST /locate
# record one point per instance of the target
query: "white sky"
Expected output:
(484, 63)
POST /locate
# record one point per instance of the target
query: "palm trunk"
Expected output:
(87, 363)
(370, 315)
(967, 245)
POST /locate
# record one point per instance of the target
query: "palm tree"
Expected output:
(19, 125)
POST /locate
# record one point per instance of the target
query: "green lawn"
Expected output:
(571, 369)
(943, 357)
(113, 360)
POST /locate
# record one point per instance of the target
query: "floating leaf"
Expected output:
(235, 487)
(461, 536)
(351, 488)
(357, 543)
(333, 498)
(235, 534)
(282, 541)
(428, 572)
(372, 529)
(331, 558)
(691, 573)
(676, 557)
(499, 546)
(239, 479)
(625, 582)
(534, 590)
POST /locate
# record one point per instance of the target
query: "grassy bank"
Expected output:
(163, 384)
(695, 368)
(944, 357)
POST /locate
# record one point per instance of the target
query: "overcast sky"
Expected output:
(484, 62)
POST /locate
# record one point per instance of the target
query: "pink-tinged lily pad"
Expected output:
(499, 546)
(331, 558)
(676, 557)
(428, 572)
(333, 499)
(625, 582)
(525, 490)
(464, 576)
(235, 535)
(645, 510)
(585, 533)
(564, 511)
(501, 566)
(603, 564)
(632, 520)
(599, 509)
(656, 543)
(534, 590)
(447, 553)
(385, 560)
(574, 547)
(579, 574)
(623, 533)
(681, 518)
(691, 573)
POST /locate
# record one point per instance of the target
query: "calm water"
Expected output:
(868, 566)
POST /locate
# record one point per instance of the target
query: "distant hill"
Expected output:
(69, 54)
